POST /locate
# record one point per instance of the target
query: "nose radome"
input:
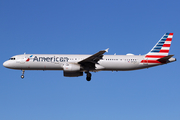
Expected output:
(5, 64)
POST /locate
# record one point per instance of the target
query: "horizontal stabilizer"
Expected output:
(165, 59)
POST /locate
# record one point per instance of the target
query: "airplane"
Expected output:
(76, 65)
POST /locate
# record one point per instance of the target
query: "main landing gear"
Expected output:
(88, 77)
(22, 76)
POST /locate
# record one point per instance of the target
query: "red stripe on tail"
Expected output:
(169, 39)
(164, 51)
(170, 33)
(155, 56)
(166, 45)
(150, 61)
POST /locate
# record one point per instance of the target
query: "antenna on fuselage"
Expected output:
(24, 55)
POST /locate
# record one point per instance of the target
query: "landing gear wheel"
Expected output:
(88, 78)
(22, 76)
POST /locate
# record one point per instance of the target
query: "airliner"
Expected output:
(76, 65)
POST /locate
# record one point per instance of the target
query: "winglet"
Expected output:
(107, 49)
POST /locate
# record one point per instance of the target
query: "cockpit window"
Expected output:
(12, 58)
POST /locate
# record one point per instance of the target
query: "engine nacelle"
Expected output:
(72, 70)
(71, 67)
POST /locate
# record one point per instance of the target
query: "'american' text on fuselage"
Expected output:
(50, 59)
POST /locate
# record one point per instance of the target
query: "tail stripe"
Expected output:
(165, 48)
(155, 56)
(164, 51)
(169, 39)
(157, 53)
(150, 61)
(167, 42)
(166, 45)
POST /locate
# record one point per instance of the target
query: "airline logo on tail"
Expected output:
(160, 50)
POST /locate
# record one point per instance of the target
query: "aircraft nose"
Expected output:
(5, 64)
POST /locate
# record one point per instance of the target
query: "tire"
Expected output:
(88, 78)
(22, 76)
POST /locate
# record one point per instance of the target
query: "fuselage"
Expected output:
(57, 61)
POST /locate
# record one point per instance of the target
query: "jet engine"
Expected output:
(72, 70)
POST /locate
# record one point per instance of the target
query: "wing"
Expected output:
(89, 63)
(94, 58)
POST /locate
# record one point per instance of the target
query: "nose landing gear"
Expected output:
(22, 76)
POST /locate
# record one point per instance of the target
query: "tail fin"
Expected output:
(161, 49)
(159, 53)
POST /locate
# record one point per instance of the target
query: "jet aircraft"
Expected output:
(76, 65)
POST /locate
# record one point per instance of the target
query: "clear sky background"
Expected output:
(86, 27)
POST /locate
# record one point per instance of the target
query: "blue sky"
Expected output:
(85, 27)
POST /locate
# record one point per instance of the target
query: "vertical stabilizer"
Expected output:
(163, 45)
(160, 50)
